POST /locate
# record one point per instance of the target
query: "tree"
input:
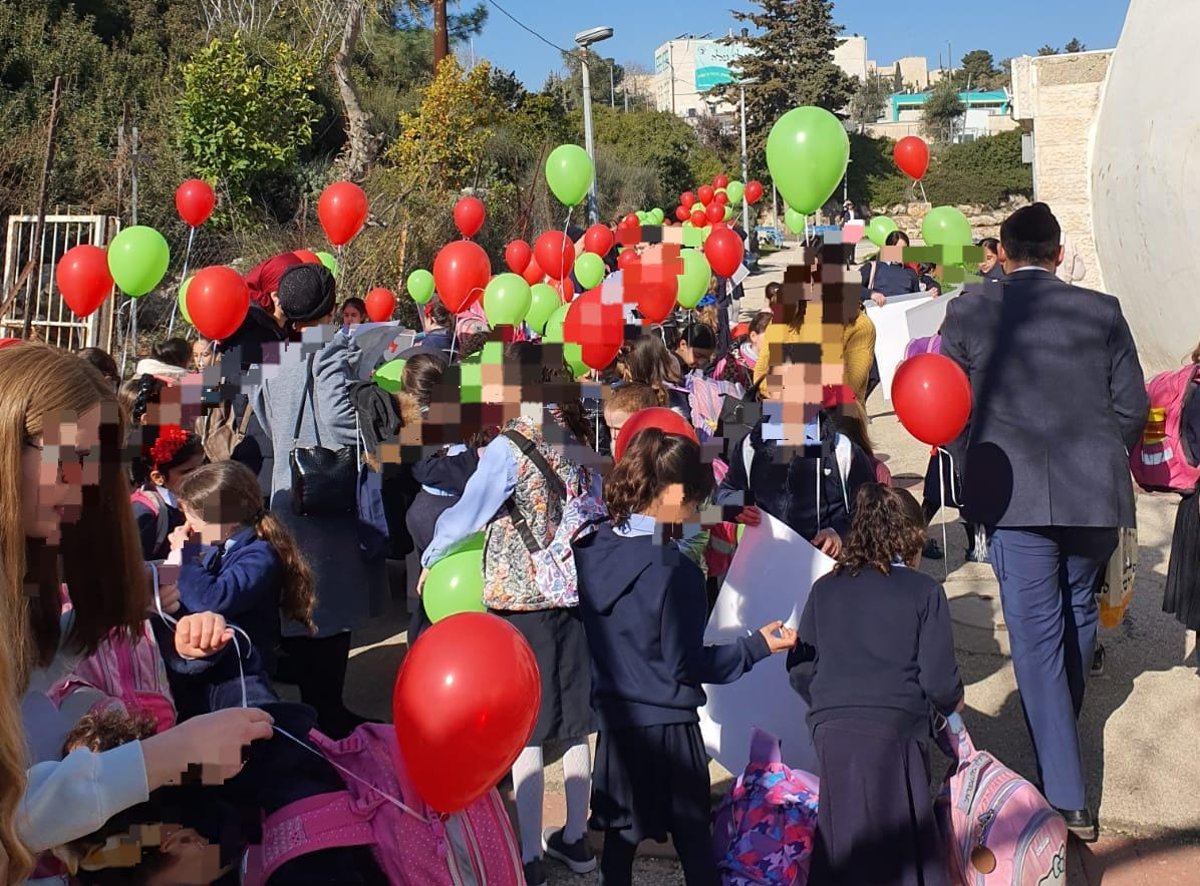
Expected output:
(977, 71)
(942, 110)
(789, 57)
(1049, 50)
(897, 79)
(869, 101)
(604, 88)
(1074, 46)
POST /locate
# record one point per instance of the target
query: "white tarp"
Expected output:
(769, 579)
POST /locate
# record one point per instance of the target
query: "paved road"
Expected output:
(1141, 719)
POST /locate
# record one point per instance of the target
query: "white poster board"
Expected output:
(891, 333)
(925, 320)
(769, 580)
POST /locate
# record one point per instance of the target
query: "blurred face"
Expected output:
(615, 419)
(54, 469)
(202, 354)
(989, 260)
(671, 507)
(351, 316)
(756, 340)
(694, 358)
(209, 533)
(174, 478)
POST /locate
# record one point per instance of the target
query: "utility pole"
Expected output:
(441, 35)
(612, 89)
(745, 170)
(593, 210)
(35, 247)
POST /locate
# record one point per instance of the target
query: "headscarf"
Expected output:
(264, 278)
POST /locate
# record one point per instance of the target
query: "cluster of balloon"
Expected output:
(381, 304)
(712, 204)
(807, 153)
(469, 693)
(932, 397)
(342, 211)
(216, 300)
(912, 156)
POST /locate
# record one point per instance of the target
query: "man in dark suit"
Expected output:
(1059, 397)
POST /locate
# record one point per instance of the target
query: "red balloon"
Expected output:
(533, 272)
(599, 240)
(381, 303)
(681, 213)
(307, 256)
(555, 253)
(686, 199)
(461, 270)
(666, 420)
(716, 212)
(699, 219)
(469, 215)
(465, 703)
(597, 326)
(632, 220)
(754, 191)
(721, 181)
(83, 278)
(721, 199)
(342, 210)
(217, 301)
(518, 255)
(932, 398)
(705, 193)
(912, 156)
(194, 200)
(656, 298)
(627, 259)
(724, 250)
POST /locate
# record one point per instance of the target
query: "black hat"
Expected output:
(1033, 224)
(307, 292)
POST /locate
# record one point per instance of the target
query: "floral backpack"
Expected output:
(763, 830)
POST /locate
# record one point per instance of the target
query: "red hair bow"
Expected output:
(171, 438)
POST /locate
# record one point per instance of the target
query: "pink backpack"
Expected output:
(130, 671)
(999, 830)
(763, 830)
(414, 846)
(705, 396)
(928, 345)
(1161, 460)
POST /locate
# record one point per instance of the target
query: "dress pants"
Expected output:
(1047, 581)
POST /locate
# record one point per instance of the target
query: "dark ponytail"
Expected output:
(653, 461)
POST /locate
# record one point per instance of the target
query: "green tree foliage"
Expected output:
(942, 110)
(1074, 46)
(605, 90)
(243, 119)
(1047, 49)
(979, 71)
(869, 101)
(790, 58)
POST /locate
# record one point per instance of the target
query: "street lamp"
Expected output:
(584, 39)
(747, 81)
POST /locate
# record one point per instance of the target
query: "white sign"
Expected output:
(925, 320)
(891, 333)
(769, 580)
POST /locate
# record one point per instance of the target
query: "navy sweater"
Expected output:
(878, 647)
(890, 280)
(644, 610)
(242, 583)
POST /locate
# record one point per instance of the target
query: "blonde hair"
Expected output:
(16, 863)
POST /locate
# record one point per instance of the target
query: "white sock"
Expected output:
(529, 784)
(577, 776)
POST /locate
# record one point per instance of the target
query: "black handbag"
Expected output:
(324, 481)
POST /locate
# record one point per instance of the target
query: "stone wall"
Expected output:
(985, 221)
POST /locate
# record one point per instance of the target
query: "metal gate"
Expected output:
(53, 322)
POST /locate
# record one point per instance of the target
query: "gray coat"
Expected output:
(347, 584)
(1058, 399)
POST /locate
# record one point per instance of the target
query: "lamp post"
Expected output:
(584, 39)
(745, 159)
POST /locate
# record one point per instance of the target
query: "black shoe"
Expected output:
(577, 856)
(535, 873)
(932, 551)
(1081, 823)
(1098, 661)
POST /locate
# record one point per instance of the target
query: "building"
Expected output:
(851, 57)
(988, 113)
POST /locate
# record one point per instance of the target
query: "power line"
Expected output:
(526, 27)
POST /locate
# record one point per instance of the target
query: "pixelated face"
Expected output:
(55, 468)
(209, 532)
(671, 506)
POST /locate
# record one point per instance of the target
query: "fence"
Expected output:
(37, 294)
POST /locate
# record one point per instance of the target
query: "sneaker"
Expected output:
(535, 873)
(577, 856)
(1098, 661)
(933, 550)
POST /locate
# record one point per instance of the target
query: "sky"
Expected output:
(892, 29)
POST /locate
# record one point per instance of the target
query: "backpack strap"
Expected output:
(871, 279)
(158, 507)
(324, 821)
(529, 450)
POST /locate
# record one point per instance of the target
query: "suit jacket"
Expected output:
(1058, 399)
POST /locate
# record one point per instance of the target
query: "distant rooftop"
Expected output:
(976, 98)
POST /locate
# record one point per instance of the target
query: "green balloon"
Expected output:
(657, 215)
(589, 270)
(728, 211)
(554, 325)
(946, 226)
(693, 282)
(390, 376)
(736, 190)
(183, 288)
(807, 153)
(138, 259)
(794, 221)
(328, 261)
(420, 285)
(455, 584)
(506, 300)
(879, 228)
(546, 301)
(569, 174)
(572, 352)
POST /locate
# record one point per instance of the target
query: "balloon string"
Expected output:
(172, 623)
(187, 256)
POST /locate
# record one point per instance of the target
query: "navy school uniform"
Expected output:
(644, 609)
(154, 531)
(875, 660)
